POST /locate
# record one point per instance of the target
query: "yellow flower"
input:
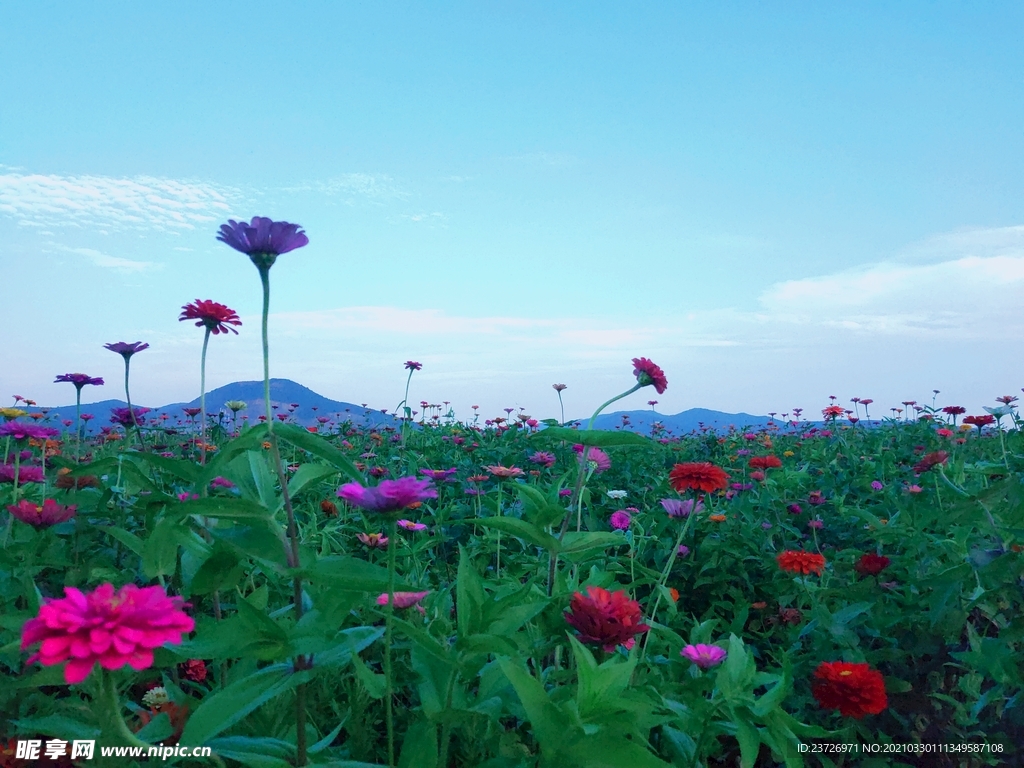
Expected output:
(11, 413)
(788, 454)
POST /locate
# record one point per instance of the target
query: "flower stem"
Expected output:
(202, 395)
(389, 613)
(109, 700)
(609, 402)
(265, 280)
(128, 397)
(78, 425)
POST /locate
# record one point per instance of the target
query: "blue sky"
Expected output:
(775, 202)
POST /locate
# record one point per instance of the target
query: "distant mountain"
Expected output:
(302, 404)
(680, 423)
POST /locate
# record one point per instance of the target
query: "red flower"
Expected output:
(701, 476)
(216, 317)
(798, 561)
(608, 618)
(854, 689)
(764, 462)
(647, 372)
(930, 460)
(871, 564)
(833, 412)
(193, 669)
(954, 410)
(980, 421)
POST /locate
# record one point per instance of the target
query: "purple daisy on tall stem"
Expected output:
(79, 380)
(263, 240)
(126, 350)
(411, 366)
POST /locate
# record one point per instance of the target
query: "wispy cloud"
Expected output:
(355, 187)
(105, 202)
(116, 263)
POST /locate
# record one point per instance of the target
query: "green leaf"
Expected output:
(60, 726)
(157, 729)
(223, 508)
(307, 474)
(374, 683)
(588, 541)
(350, 641)
(160, 553)
(777, 693)
(602, 438)
(422, 639)
(749, 739)
(599, 687)
(223, 568)
(217, 465)
(263, 540)
(316, 445)
(520, 529)
(469, 597)
(180, 468)
(130, 540)
(257, 752)
(230, 705)
(609, 750)
(419, 748)
(265, 639)
(435, 675)
(350, 573)
(550, 725)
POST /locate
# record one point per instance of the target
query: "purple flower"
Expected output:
(439, 475)
(389, 496)
(542, 457)
(817, 524)
(409, 525)
(565, 492)
(126, 350)
(25, 474)
(794, 509)
(262, 240)
(742, 486)
(20, 431)
(412, 365)
(123, 416)
(680, 508)
(876, 486)
(619, 520)
(683, 550)
(704, 656)
(78, 379)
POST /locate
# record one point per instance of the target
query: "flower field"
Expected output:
(515, 593)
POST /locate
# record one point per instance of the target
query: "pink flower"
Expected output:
(389, 496)
(404, 600)
(42, 516)
(647, 373)
(704, 656)
(373, 540)
(110, 628)
(620, 520)
(876, 485)
(409, 525)
(25, 474)
(596, 455)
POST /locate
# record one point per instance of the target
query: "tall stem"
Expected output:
(265, 280)
(128, 397)
(202, 396)
(78, 425)
(609, 402)
(389, 614)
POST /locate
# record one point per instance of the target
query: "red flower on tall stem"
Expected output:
(854, 689)
(608, 618)
(699, 476)
(647, 373)
(216, 317)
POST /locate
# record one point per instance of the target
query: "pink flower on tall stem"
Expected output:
(105, 627)
(647, 373)
(217, 318)
(41, 515)
(389, 496)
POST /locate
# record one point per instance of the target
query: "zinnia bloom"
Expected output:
(647, 373)
(409, 525)
(680, 507)
(558, 387)
(764, 462)
(798, 561)
(505, 472)
(619, 520)
(929, 461)
(216, 317)
(123, 416)
(26, 474)
(389, 496)
(412, 365)
(20, 431)
(404, 600)
(262, 240)
(854, 689)
(126, 350)
(980, 421)
(373, 540)
(78, 379)
(44, 515)
(704, 656)
(700, 476)
(440, 475)
(110, 628)
(193, 669)
(542, 457)
(599, 458)
(871, 564)
(607, 618)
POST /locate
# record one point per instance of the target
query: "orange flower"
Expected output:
(674, 593)
(798, 561)
(700, 476)
(717, 518)
(759, 605)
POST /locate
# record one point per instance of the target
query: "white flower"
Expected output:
(1002, 410)
(617, 494)
(155, 697)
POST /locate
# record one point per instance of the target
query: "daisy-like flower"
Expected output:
(42, 515)
(20, 431)
(105, 627)
(78, 379)
(404, 600)
(680, 507)
(698, 476)
(704, 656)
(620, 520)
(126, 350)
(595, 456)
(543, 458)
(798, 561)
(409, 525)
(373, 540)
(439, 475)
(558, 387)
(871, 564)
(388, 497)
(617, 494)
(647, 373)
(505, 472)
(262, 239)
(412, 365)
(217, 318)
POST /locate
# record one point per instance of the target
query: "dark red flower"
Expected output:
(607, 618)
(954, 410)
(700, 476)
(930, 460)
(798, 561)
(854, 689)
(647, 373)
(980, 421)
(871, 564)
(193, 669)
(216, 317)
(764, 462)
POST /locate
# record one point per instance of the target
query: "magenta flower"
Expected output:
(647, 373)
(25, 474)
(78, 379)
(389, 496)
(262, 239)
(439, 475)
(124, 416)
(412, 365)
(620, 520)
(542, 457)
(404, 600)
(126, 350)
(409, 525)
(20, 431)
(217, 318)
(41, 516)
(595, 455)
(704, 656)
(113, 629)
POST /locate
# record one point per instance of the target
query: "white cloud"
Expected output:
(101, 259)
(94, 202)
(353, 187)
